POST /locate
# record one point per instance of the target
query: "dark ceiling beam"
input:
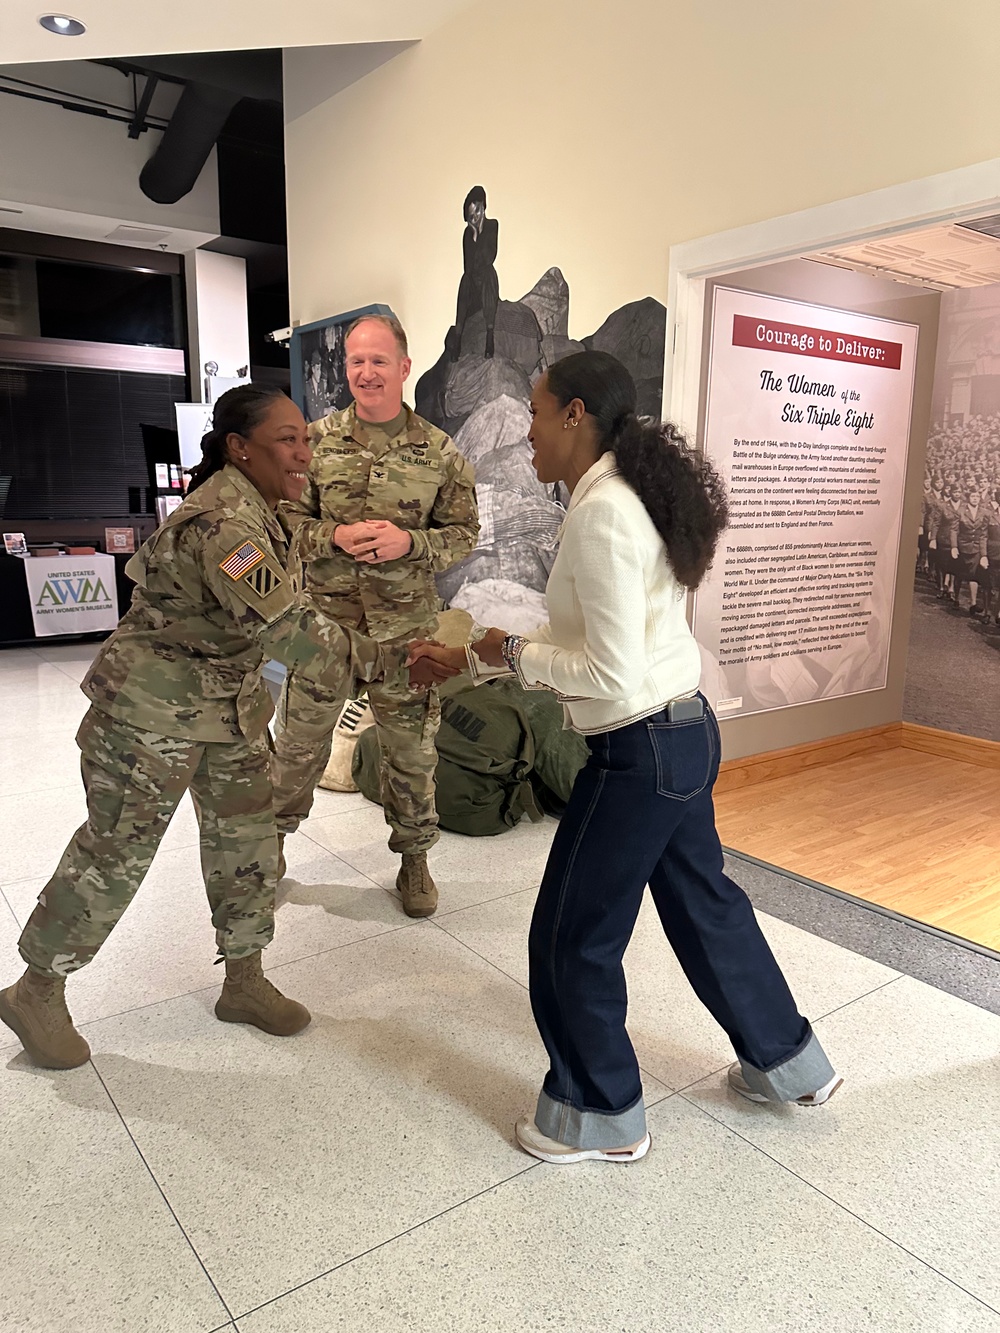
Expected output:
(138, 123)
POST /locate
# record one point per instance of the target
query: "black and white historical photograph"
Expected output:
(479, 392)
(953, 673)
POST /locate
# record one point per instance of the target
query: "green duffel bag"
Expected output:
(502, 754)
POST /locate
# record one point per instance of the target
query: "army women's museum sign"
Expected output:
(72, 594)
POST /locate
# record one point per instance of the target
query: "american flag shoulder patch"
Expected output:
(242, 560)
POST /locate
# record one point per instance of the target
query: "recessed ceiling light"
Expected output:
(62, 25)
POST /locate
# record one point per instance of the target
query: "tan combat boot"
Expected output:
(34, 1008)
(282, 868)
(248, 997)
(418, 890)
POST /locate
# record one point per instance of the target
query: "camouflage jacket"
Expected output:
(420, 482)
(213, 599)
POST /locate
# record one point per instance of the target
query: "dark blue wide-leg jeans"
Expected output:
(641, 813)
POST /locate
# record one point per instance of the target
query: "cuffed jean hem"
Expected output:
(590, 1129)
(806, 1071)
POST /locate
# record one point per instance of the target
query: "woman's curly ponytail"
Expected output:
(683, 494)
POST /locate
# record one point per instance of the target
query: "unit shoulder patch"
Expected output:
(263, 579)
(240, 562)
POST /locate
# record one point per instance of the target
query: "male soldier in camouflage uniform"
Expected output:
(177, 703)
(389, 503)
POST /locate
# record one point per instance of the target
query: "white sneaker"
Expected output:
(533, 1141)
(739, 1084)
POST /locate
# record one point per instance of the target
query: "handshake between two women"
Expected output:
(431, 663)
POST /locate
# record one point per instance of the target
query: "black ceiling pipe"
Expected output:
(194, 127)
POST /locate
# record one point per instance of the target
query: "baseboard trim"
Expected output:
(754, 768)
(950, 745)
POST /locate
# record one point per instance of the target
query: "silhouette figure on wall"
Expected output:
(482, 402)
(480, 286)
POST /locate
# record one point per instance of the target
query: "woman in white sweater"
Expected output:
(644, 519)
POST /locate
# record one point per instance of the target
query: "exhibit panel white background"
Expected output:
(808, 420)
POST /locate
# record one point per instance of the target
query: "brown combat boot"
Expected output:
(418, 890)
(34, 1009)
(248, 997)
(282, 868)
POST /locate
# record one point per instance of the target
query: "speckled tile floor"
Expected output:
(197, 1177)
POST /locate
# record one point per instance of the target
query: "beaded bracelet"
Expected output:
(511, 649)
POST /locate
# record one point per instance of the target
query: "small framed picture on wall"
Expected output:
(316, 353)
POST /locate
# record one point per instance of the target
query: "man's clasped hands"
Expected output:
(373, 541)
(377, 541)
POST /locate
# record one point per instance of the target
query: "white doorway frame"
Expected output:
(952, 196)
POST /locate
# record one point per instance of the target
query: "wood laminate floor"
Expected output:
(910, 831)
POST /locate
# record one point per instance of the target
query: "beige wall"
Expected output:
(606, 133)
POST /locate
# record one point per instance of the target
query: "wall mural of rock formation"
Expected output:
(479, 392)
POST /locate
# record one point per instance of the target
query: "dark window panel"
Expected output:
(93, 303)
(72, 439)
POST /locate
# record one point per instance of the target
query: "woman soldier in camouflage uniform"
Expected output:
(177, 702)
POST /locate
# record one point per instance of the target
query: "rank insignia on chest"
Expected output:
(379, 474)
(263, 580)
(242, 560)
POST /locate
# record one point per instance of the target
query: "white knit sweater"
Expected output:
(617, 646)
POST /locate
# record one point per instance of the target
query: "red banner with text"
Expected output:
(768, 336)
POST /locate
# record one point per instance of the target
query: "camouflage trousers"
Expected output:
(406, 723)
(134, 781)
